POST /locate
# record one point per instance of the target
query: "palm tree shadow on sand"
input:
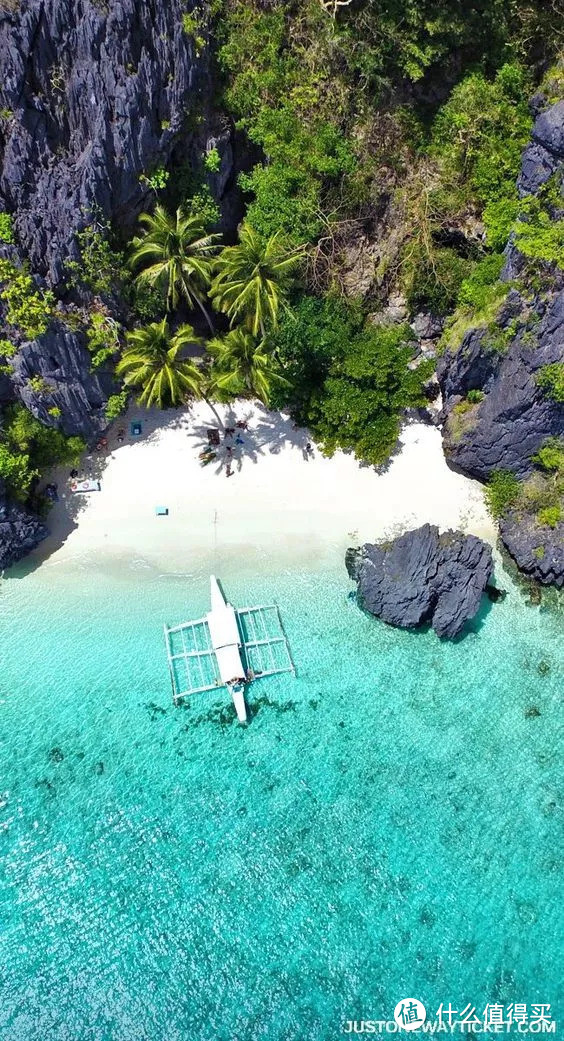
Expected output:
(265, 433)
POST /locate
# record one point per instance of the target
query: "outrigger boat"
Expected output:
(228, 647)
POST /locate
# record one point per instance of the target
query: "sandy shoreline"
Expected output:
(277, 502)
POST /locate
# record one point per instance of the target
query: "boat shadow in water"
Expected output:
(224, 716)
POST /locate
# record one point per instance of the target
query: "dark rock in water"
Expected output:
(537, 550)
(423, 577)
(515, 417)
(494, 594)
(97, 95)
(532, 713)
(56, 756)
(535, 596)
(20, 532)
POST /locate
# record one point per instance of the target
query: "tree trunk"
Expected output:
(212, 408)
(205, 314)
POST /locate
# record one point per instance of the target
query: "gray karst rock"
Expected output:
(423, 577)
(94, 95)
(61, 361)
(542, 158)
(20, 532)
(537, 550)
(506, 428)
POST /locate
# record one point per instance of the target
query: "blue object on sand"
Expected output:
(136, 428)
(161, 511)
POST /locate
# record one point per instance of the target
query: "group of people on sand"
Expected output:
(232, 440)
(232, 437)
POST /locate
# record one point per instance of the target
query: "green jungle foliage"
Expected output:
(7, 349)
(116, 405)
(478, 137)
(253, 279)
(538, 498)
(550, 378)
(242, 365)
(28, 308)
(550, 516)
(349, 381)
(541, 239)
(551, 456)
(6, 230)
(475, 396)
(101, 266)
(155, 362)
(102, 338)
(27, 447)
(314, 87)
(502, 492)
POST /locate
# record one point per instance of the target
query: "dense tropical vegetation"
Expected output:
(175, 254)
(392, 132)
(154, 362)
(252, 279)
(241, 364)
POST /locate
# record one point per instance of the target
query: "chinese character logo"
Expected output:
(409, 1014)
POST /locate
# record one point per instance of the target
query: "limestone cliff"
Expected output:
(515, 416)
(93, 94)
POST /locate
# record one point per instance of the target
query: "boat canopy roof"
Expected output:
(224, 630)
(230, 664)
(222, 619)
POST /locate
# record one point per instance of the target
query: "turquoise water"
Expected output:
(386, 826)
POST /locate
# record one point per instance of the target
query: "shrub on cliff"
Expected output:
(550, 378)
(28, 308)
(478, 138)
(27, 447)
(502, 492)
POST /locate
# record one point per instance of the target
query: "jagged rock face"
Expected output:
(423, 577)
(538, 551)
(544, 155)
(62, 361)
(95, 93)
(19, 532)
(509, 426)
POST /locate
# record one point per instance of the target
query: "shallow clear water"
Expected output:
(385, 827)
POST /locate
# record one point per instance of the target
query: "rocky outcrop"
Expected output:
(93, 95)
(505, 427)
(537, 550)
(543, 157)
(19, 532)
(52, 377)
(515, 417)
(423, 577)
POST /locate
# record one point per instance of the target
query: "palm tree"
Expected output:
(241, 365)
(175, 253)
(153, 361)
(253, 277)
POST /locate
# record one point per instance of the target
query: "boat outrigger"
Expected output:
(228, 647)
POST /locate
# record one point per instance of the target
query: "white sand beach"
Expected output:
(278, 501)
